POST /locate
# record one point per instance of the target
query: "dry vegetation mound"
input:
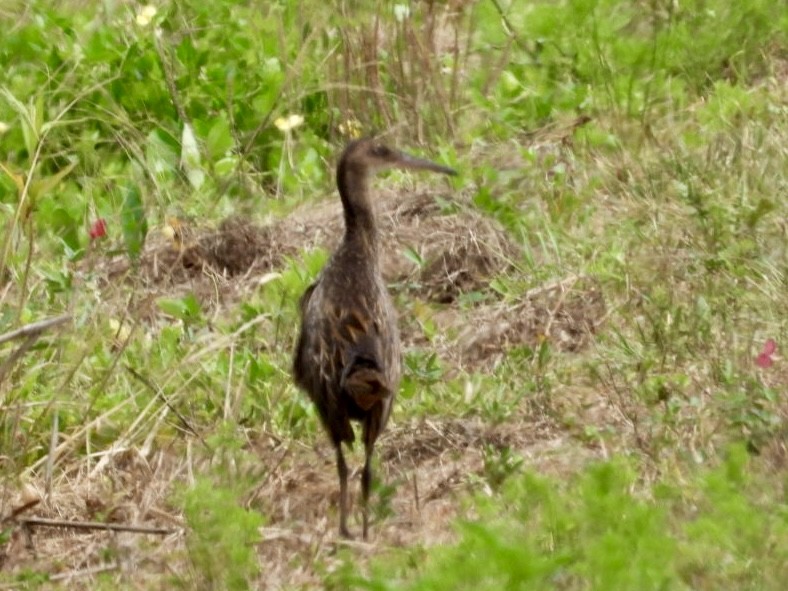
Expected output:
(451, 249)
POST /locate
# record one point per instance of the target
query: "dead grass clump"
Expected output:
(418, 442)
(454, 272)
(566, 314)
(217, 265)
(461, 248)
(127, 489)
(232, 249)
(238, 245)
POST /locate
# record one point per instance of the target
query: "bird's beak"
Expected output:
(414, 163)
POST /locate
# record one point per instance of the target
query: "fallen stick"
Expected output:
(19, 510)
(87, 572)
(34, 328)
(94, 525)
(158, 392)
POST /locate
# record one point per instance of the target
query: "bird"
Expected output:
(347, 356)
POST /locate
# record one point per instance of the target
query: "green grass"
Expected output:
(638, 145)
(602, 530)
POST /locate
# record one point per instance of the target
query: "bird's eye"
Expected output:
(381, 151)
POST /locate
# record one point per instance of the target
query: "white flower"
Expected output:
(401, 12)
(288, 123)
(145, 16)
(4, 127)
(190, 157)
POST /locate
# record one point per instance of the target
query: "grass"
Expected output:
(598, 531)
(593, 290)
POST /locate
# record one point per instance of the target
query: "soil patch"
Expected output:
(425, 469)
(459, 249)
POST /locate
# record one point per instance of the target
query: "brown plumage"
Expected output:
(347, 358)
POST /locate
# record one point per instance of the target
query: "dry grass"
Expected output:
(441, 254)
(431, 464)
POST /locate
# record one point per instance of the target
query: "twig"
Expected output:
(35, 328)
(268, 475)
(156, 390)
(52, 448)
(94, 525)
(560, 283)
(86, 572)
(559, 303)
(273, 534)
(19, 510)
(507, 26)
(16, 356)
(416, 491)
(169, 80)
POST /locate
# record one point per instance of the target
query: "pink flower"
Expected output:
(98, 229)
(764, 358)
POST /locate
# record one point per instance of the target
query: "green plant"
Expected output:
(221, 538)
(598, 531)
(629, 155)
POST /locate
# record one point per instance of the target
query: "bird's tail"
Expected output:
(365, 382)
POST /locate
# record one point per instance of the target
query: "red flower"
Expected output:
(98, 229)
(764, 359)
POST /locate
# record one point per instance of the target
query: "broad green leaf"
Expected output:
(160, 156)
(28, 117)
(45, 185)
(219, 140)
(133, 222)
(186, 308)
(412, 255)
(66, 227)
(226, 165)
(18, 179)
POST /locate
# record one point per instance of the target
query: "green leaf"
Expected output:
(160, 156)
(29, 119)
(133, 222)
(66, 227)
(186, 308)
(219, 141)
(45, 185)
(764, 208)
(225, 166)
(412, 255)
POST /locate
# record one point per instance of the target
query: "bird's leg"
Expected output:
(343, 500)
(366, 481)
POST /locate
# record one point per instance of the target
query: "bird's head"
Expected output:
(372, 155)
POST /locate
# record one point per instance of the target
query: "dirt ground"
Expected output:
(430, 464)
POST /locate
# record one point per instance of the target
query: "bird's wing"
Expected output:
(304, 301)
(316, 367)
(347, 348)
(302, 353)
(363, 335)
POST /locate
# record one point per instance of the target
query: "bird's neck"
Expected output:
(353, 183)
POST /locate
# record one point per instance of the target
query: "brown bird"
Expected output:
(347, 358)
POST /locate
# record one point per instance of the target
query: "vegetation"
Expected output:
(598, 345)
